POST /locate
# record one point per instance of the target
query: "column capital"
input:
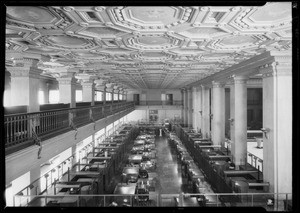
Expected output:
(240, 79)
(217, 84)
(204, 87)
(276, 68)
(31, 72)
(88, 84)
(66, 78)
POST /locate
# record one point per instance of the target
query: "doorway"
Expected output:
(136, 99)
(169, 99)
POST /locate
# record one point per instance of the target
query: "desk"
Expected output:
(70, 200)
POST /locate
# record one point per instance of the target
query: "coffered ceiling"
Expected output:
(147, 47)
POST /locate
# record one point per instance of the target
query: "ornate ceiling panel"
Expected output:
(149, 46)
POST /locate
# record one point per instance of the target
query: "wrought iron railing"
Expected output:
(20, 128)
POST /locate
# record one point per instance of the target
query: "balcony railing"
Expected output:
(21, 129)
(160, 103)
(267, 201)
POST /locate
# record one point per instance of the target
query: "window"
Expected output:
(115, 97)
(41, 97)
(98, 96)
(78, 95)
(53, 96)
(108, 96)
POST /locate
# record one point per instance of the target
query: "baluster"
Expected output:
(24, 127)
(14, 130)
(53, 123)
(44, 126)
(17, 129)
(50, 123)
(50, 117)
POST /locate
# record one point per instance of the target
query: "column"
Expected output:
(194, 108)
(277, 123)
(46, 93)
(185, 107)
(218, 113)
(205, 118)
(198, 108)
(189, 105)
(88, 92)
(25, 81)
(238, 120)
(100, 85)
(67, 88)
(104, 94)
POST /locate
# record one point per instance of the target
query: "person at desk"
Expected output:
(201, 200)
(230, 165)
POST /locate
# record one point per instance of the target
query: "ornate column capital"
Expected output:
(67, 78)
(276, 68)
(88, 84)
(217, 84)
(240, 79)
(204, 87)
(24, 71)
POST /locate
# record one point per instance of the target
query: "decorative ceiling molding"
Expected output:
(149, 46)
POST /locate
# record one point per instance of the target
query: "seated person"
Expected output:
(230, 164)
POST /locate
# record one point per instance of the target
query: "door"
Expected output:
(169, 99)
(136, 99)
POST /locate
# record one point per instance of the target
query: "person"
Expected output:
(113, 204)
(231, 165)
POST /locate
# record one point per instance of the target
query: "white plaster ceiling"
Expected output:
(147, 47)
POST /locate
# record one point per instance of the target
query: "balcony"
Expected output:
(25, 129)
(159, 103)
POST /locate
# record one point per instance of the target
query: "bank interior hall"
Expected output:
(148, 106)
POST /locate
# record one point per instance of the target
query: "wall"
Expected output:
(154, 94)
(143, 114)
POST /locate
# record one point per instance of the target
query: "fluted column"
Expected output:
(218, 113)
(238, 119)
(277, 122)
(204, 112)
